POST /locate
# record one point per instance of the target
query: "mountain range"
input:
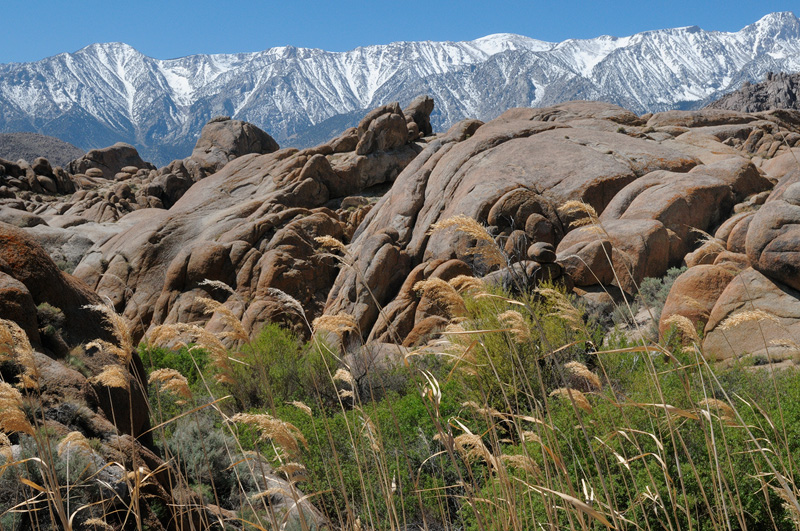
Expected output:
(110, 92)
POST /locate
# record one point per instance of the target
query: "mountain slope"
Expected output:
(110, 92)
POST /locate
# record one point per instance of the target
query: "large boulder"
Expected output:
(773, 238)
(109, 161)
(519, 167)
(223, 140)
(694, 294)
(251, 224)
(680, 201)
(623, 253)
(769, 325)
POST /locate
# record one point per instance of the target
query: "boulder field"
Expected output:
(584, 194)
(712, 189)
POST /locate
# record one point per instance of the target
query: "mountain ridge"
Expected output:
(110, 92)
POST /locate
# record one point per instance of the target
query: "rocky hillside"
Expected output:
(777, 91)
(30, 146)
(588, 195)
(107, 93)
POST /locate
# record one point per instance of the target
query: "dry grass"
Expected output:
(442, 294)
(171, 381)
(113, 376)
(577, 397)
(486, 247)
(579, 371)
(685, 328)
(746, 316)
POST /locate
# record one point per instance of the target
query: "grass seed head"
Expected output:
(171, 381)
(579, 371)
(114, 376)
(283, 434)
(14, 346)
(684, 327)
(746, 316)
(74, 439)
(516, 322)
(573, 394)
(117, 325)
(338, 324)
(467, 284)
(486, 247)
(229, 319)
(442, 294)
(331, 243)
(12, 417)
(587, 213)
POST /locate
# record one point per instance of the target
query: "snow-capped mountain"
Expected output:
(106, 93)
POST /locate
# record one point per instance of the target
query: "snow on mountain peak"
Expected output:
(110, 91)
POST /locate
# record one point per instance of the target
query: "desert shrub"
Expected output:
(653, 292)
(275, 368)
(691, 464)
(205, 453)
(190, 363)
(51, 319)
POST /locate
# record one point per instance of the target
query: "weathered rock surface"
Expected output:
(109, 161)
(250, 225)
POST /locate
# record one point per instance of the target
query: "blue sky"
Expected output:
(33, 29)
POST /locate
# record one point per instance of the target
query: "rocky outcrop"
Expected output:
(657, 186)
(108, 162)
(252, 226)
(223, 140)
(777, 91)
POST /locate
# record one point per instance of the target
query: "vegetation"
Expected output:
(519, 417)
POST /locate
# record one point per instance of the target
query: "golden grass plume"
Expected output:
(514, 320)
(302, 407)
(114, 376)
(746, 316)
(562, 307)
(338, 324)
(74, 439)
(283, 434)
(573, 394)
(14, 346)
(587, 213)
(331, 243)
(12, 417)
(236, 330)
(171, 381)
(486, 247)
(467, 284)
(684, 326)
(442, 294)
(117, 325)
(579, 371)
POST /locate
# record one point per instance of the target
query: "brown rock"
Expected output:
(16, 304)
(540, 229)
(418, 112)
(637, 248)
(542, 252)
(694, 294)
(773, 238)
(750, 290)
(681, 201)
(109, 161)
(738, 173)
(223, 140)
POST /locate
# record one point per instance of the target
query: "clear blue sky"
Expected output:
(33, 29)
